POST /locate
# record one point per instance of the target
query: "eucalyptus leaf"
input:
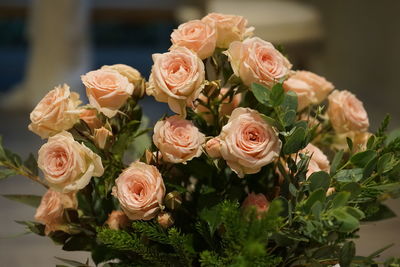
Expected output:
(277, 95)
(362, 158)
(261, 93)
(336, 162)
(295, 141)
(4, 173)
(349, 175)
(319, 180)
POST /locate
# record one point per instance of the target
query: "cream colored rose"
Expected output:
(229, 28)
(225, 109)
(318, 161)
(165, 219)
(89, 116)
(51, 209)
(56, 112)
(177, 139)
(256, 60)
(117, 220)
(196, 35)
(177, 78)
(259, 201)
(309, 87)
(347, 113)
(360, 140)
(140, 190)
(107, 90)
(133, 76)
(247, 142)
(68, 165)
(100, 137)
(213, 147)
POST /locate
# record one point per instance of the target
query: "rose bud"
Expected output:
(117, 220)
(101, 136)
(165, 219)
(213, 148)
(259, 201)
(89, 116)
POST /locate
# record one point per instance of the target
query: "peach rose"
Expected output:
(177, 139)
(140, 190)
(226, 108)
(117, 220)
(51, 209)
(256, 60)
(347, 113)
(56, 112)
(196, 35)
(89, 116)
(213, 147)
(133, 76)
(247, 142)
(259, 201)
(68, 165)
(177, 78)
(360, 140)
(165, 219)
(309, 87)
(318, 161)
(100, 137)
(107, 90)
(229, 28)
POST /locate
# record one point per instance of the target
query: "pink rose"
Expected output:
(213, 147)
(196, 35)
(347, 113)
(117, 220)
(56, 112)
(226, 108)
(255, 60)
(229, 28)
(51, 209)
(177, 78)
(259, 201)
(309, 87)
(318, 161)
(247, 142)
(177, 139)
(107, 90)
(101, 136)
(89, 116)
(68, 165)
(165, 219)
(140, 190)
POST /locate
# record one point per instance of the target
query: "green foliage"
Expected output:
(30, 200)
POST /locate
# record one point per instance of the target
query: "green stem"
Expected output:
(24, 172)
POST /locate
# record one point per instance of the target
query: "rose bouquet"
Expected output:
(262, 165)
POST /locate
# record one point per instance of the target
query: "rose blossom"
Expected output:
(259, 201)
(89, 116)
(213, 147)
(68, 165)
(229, 28)
(196, 35)
(165, 219)
(177, 78)
(309, 87)
(256, 60)
(51, 209)
(100, 137)
(107, 90)
(140, 190)
(117, 220)
(226, 107)
(247, 142)
(177, 139)
(56, 112)
(318, 161)
(133, 76)
(347, 113)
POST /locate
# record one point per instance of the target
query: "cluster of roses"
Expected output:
(246, 142)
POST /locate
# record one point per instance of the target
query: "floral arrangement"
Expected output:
(262, 165)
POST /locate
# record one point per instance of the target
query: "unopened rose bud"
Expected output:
(213, 148)
(165, 219)
(117, 220)
(330, 191)
(133, 76)
(100, 137)
(259, 201)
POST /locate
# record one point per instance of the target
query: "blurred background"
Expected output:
(354, 44)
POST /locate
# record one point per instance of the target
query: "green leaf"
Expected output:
(361, 159)
(34, 227)
(277, 95)
(336, 161)
(78, 243)
(348, 223)
(289, 118)
(319, 180)
(386, 163)
(356, 213)
(260, 92)
(349, 143)
(4, 173)
(347, 253)
(30, 200)
(349, 175)
(2, 152)
(31, 164)
(290, 101)
(212, 217)
(318, 195)
(383, 213)
(353, 188)
(295, 141)
(379, 251)
(340, 199)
